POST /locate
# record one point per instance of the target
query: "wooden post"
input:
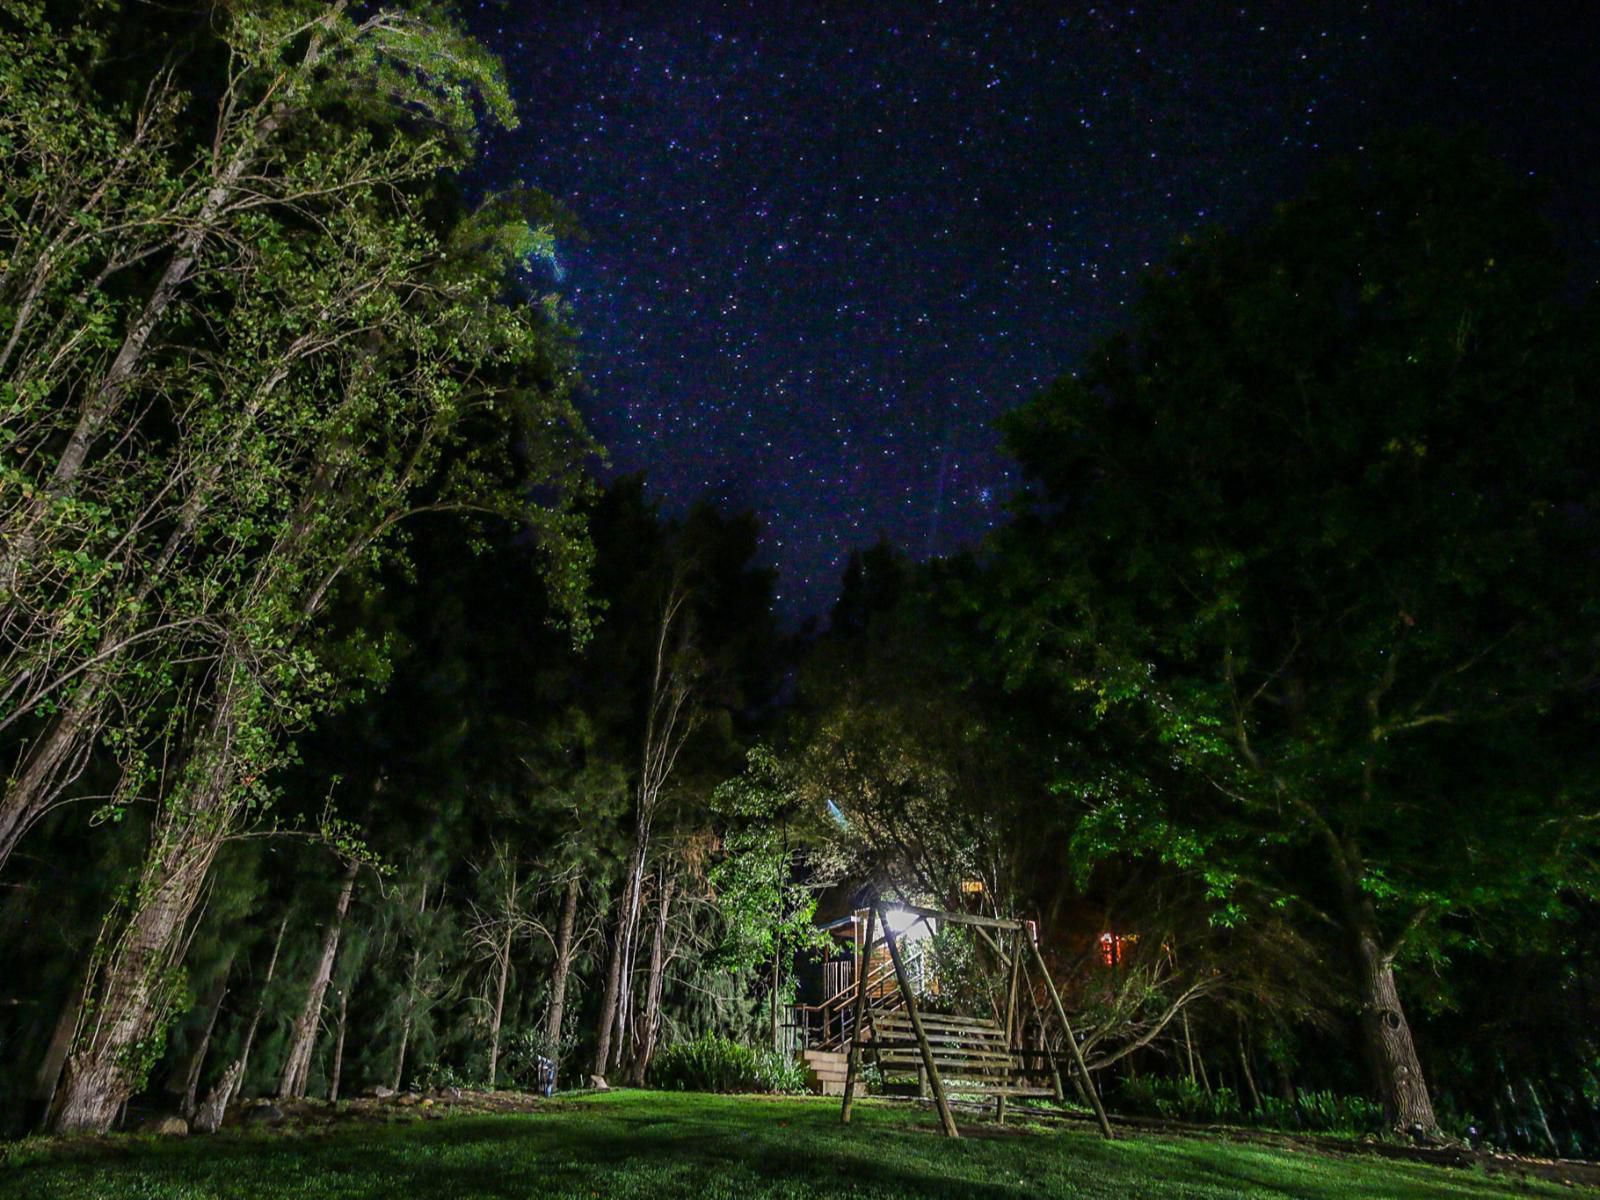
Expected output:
(852, 1061)
(916, 1027)
(1072, 1042)
(1044, 1038)
(1011, 1020)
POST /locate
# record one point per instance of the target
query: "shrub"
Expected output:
(1183, 1100)
(1328, 1112)
(717, 1064)
(437, 1075)
(519, 1059)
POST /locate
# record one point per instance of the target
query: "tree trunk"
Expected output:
(210, 1111)
(670, 719)
(650, 1019)
(611, 997)
(400, 1059)
(189, 1072)
(499, 1006)
(261, 999)
(412, 984)
(338, 1047)
(1402, 1089)
(53, 762)
(1544, 1121)
(303, 1036)
(134, 993)
(563, 967)
(55, 1055)
(1246, 1074)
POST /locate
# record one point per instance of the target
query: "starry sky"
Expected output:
(829, 243)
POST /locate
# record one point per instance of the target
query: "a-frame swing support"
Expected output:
(907, 993)
(1022, 932)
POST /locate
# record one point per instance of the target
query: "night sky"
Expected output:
(829, 243)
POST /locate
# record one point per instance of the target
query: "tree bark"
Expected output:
(1403, 1091)
(132, 996)
(650, 1019)
(411, 996)
(55, 1055)
(499, 1006)
(209, 1113)
(52, 764)
(338, 1047)
(303, 1036)
(1247, 1074)
(400, 1059)
(261, 1000)
(610, 997)
(195, 1064)
(668, 722)
(562, 968)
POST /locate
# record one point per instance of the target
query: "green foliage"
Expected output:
(712, 1063)
(519, 1057)
(766, 909)
(436, 1076)
(1185, 1100)
(1308, 557)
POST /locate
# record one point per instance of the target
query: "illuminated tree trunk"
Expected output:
(338, 1046)
(130, 999)
(53, 762)
(55, 1055)
(499, 1006)
(303, 1037)
(187, 1077)
(563, 966)
(609, 997)
(650, 1018)
(670, 719)
(1393, 1054)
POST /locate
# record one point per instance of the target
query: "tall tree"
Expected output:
(1317, 534)
(322, 430)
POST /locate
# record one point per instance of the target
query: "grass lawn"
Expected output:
(643, 1144)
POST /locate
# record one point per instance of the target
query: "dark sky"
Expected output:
(829, 243)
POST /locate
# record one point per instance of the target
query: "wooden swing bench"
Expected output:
(949, 1054)
(971, 1054)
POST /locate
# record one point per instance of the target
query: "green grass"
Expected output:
(644, 1144)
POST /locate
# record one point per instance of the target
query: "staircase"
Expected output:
(830, 1023)
(825, 1072)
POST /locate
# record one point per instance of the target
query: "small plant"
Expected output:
(712, 1063)
(780, 1074)
(437, 1076)
(1329, 1112)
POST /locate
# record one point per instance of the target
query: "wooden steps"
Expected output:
(825, 1072)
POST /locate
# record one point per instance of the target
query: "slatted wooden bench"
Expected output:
(971, 1054)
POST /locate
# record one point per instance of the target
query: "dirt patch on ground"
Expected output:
(308, 1115)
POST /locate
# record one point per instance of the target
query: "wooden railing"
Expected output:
(827, 1026)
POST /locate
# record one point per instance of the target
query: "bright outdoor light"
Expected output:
(905, 924)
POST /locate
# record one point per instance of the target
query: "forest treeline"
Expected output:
(359, 732)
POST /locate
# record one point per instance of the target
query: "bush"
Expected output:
(717, 1064)
(1327, 1112)
(437, 1075)
(1183, 1100)
(519, 1058)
